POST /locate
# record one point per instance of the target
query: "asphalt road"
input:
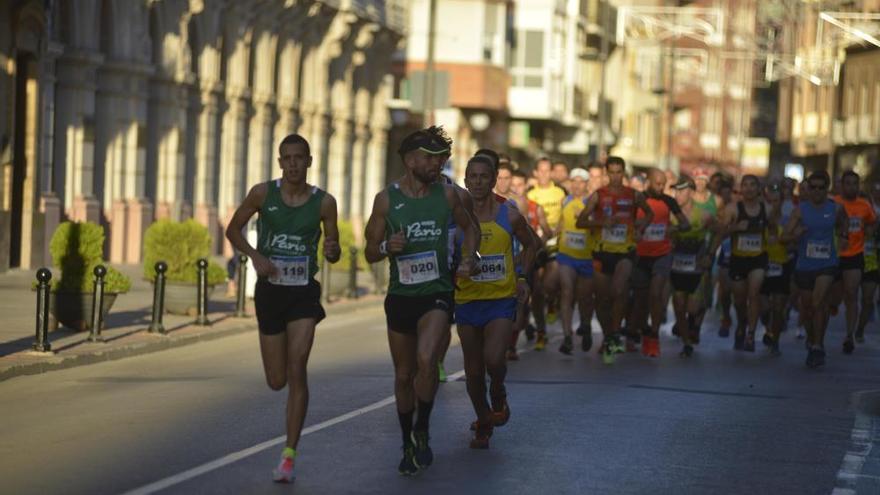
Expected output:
(721, 422)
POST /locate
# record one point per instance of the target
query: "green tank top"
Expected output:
(289, 235)
(693, 240)
(709, 205)
(423, 266)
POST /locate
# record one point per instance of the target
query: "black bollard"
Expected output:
(41, 343)
(353, 274)
(240, 286)
(98, 305)
(202, 303)
(156, 325)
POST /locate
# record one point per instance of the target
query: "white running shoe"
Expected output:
(284, 472)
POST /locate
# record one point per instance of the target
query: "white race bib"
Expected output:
(819, 250)
(855, 225)
(292, 270)
(869, 244)
(655, 232)
(615, 233)
(749, 243)
(576, 240)
(418, 268)
(774, 270)
(492, 268)
(684, 263)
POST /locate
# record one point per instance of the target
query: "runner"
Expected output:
(613, 209)
(691, 263)
(722, 278)
(486, 303)
(747, 221)
(777, 283)
(575, 265)
(560, 175)
(812, 225)
(871, 278)
(287, 298)
(408, 224)
(654, 263)
(861, 217)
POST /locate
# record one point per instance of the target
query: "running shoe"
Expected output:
(284, 472)
(551, 317)
(652, 344)
(408, 466)
(441, 372)
(482, 434)
(767, 340)
(631, 345)
(567, 346)
(686, 351)
(738, 341)
(724, 329)
(423, 456)
(541, 341)
(811, 358)
(848, 346)
(748, 344)
(512, 355)
(530, 332)
(500, 416)
(580, 330)
(587, 342)
(607, 353)
(615, 344)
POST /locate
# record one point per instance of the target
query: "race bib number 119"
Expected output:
(292, 270)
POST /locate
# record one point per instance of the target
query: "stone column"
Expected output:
(260, 165)
(50, 204)
(206, 163)
(356, 203)
(233, 156)
(168, 124)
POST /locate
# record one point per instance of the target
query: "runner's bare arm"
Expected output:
(543, 223)
(332, 250)
(471, 235)
(842, 224)
(583, 220)
(375, 230)
(526, 236)
(468, 202)
(793, 231)
(649, 213)
(251, 205)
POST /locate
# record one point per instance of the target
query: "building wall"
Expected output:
(173, 109)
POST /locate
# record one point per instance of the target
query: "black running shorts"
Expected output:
(278, 305)
(402, 313)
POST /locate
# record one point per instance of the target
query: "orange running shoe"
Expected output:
(482, 434)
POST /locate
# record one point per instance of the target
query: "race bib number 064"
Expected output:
(418, 268)
(292, 270)
(492, 268)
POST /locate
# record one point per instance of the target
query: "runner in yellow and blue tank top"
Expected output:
(780, 267)
(486, 301)
(575, 265)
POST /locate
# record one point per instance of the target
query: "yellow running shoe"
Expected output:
(541, 341)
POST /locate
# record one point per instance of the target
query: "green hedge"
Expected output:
(77, 248)
(180, 245)
(346, 241)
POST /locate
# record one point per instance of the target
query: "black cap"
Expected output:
(428, 140)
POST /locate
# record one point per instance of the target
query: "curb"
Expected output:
(55, 362)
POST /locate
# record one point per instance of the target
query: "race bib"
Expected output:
(749, 243)
(576, 240)
(684, 263)
(869, 244)
(655, 232)
(819, 250)
(418, 268)
(855, 225)
(615, 233)
(774, 270)
(492, 268)
(292, 270)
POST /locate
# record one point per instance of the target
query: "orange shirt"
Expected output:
(859, 213)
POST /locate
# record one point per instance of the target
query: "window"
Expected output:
(528, 59)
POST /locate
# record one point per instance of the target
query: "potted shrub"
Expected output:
(180, 245)
(76, 249)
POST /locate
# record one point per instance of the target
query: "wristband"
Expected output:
(383, 248)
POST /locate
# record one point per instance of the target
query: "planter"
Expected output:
(74, 309)
(182, 298)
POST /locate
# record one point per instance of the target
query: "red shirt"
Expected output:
(655, 239)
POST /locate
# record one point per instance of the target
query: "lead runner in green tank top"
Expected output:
(409, 226)
(287, 299)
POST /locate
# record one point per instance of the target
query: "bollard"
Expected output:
(41, 343)
(353, 274)
(156, 325)
(202, 303)
(98, 305)
(240, 289)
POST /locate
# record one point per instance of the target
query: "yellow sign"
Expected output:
(756, 156)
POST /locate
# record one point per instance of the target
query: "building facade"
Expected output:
(121, 112)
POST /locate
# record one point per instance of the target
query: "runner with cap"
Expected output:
(777, 282)
(486, 302)
(613, 209)
(409, 225)
(814, 225)
(293, 214)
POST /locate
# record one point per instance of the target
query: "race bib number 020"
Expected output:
(292, 270)
(418, 268)
(492, 268)
(576, 240)
(615, 233)
(749, 243)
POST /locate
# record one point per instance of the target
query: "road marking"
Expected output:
(228, 459)
(861, 444)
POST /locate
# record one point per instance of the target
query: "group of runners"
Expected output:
(512, 251)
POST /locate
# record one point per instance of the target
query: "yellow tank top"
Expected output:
(550, 199)
(573, 241)
(776, 251)
(496, 278)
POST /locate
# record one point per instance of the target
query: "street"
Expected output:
(721, 422)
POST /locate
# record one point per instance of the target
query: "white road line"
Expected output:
(861, 444)
(228, 459)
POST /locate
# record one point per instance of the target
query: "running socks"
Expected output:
(424, 417)
(406, 425)
(289, 453)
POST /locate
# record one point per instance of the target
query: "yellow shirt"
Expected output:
(497, 277)
(550, 199)
(573, 241)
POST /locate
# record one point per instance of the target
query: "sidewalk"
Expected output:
(125, 332)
